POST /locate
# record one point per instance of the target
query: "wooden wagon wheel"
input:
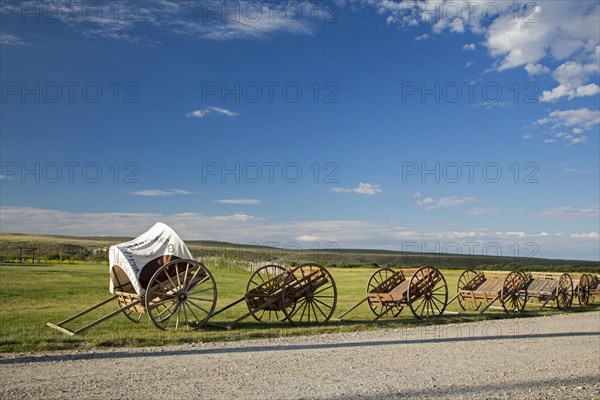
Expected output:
(513, 295)
(583, 290)
(375, 280)
(309, 294)
(261, 285)
(181, 293)
(427, 293)
(131, 314)
(564, 292)
(592, 284)
(464, 281)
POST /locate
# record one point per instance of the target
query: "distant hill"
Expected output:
(15, 247)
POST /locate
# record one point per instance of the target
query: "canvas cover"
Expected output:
(133, 263)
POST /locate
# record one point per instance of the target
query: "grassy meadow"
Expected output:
(32, 295)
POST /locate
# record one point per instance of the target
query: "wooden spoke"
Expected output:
(377, 284)
(309, 295)
(205, 311)
(190, 282)
(322, 290)
(191, 322)
(161, 302)
(166, 272)
(418, 306)
(185, 316)
(564, 295)
(514, 294)
(170, 315)
(583, 290)
(163, 295)
(262, 286)
(200, 298)
(594, 286)
(179, 282)
(466, 281)
(316, 306)
(427, 293)
(205, 289)
(165, 308)
(131, 314)
(177, 275)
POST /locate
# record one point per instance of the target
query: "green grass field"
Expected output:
(33, 295)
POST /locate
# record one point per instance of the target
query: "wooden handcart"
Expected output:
(154, 274)
(304, 294)
(593, 292)
(581, 288)
(482, 288)
(547, 287)
(181, 293)
(423, 290)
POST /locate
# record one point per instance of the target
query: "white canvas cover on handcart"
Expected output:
(133, 263)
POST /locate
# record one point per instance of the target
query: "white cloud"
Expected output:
(569, 139)
(424, 36)
(537, 31)
(582, 118)
(239, 20)
(549, 140)
(571, 77)
(562, 29)
(483, 211)
(243, 19)
(367, 189)
(239, 201)
(568, 213)
(591, 235)
(574, 74)
(223, 111)
(579, 120)
(198, 113)
(586, 90)
(204, 112)
(555, 94)
(512, 234)
(430, 204)
(8, 39)
(307, 238)
(235, 217)
(477, 211)
(536, 69)
(159, 192)
(243, 228)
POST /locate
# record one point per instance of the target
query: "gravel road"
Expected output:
(531, 358)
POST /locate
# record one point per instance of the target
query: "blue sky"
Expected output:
(428, 126)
